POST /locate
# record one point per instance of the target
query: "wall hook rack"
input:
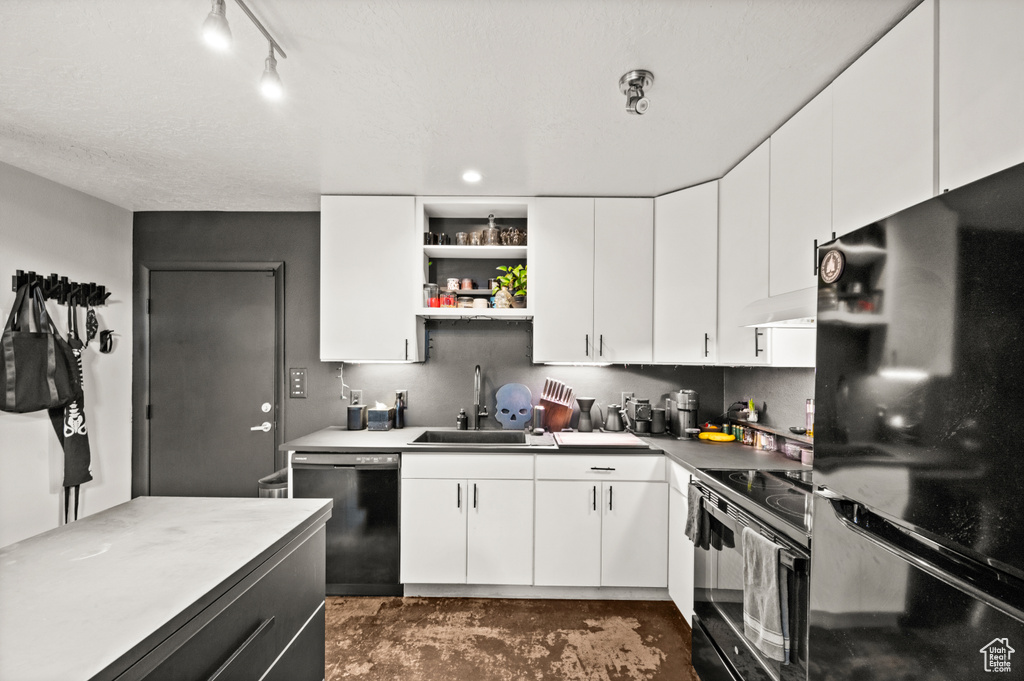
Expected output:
(62, 290)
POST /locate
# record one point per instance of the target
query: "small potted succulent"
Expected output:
(512, 280)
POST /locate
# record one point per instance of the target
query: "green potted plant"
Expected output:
(513, 280)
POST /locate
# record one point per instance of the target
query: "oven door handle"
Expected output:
(786, 556)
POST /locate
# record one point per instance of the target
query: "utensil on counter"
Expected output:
(613, 421)
(586, 424)
(557, 400)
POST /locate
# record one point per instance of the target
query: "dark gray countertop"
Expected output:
(692, 454)
(83, 597)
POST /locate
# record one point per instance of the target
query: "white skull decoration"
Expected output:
(514, 406)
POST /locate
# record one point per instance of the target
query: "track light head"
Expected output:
(633, 84)
(216, 31)
(270, 83)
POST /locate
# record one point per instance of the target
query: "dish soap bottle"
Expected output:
(462, 420)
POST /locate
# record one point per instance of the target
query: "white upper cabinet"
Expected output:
(686, 264)
(623, 279)
(801, 195)
(742, 264)
(591, 279)
(883, 136)
(562, 279)
(369, 243)
(981, 89)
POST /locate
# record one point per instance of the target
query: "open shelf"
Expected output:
(476, 252)
(475, 313)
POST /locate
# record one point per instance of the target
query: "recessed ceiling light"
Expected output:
(471, 176)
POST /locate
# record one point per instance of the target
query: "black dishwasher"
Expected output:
(362, 534)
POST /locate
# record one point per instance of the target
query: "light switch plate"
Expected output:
(355, 397)
(296, 383)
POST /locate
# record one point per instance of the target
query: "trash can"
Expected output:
(274, 485)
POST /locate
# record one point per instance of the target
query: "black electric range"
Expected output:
(785, 495)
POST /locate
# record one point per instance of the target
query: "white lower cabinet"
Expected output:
(602, 530)
(568, 537)
(680, 549)
(499, 539)
(634, 534)
(467, 530)
(433, 531)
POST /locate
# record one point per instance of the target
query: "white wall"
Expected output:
(47, 227)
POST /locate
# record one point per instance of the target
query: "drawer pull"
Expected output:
(264, 626)
(601, 468)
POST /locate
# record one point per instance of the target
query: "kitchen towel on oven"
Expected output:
(702, 528)
(765, 597)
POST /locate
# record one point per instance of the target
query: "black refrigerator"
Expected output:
(917, 568)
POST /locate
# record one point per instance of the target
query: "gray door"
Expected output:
(212, 371)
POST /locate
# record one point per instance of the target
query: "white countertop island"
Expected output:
(89, 599)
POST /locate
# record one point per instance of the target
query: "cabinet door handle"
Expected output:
(587, 340)
(474, 495)
(601, 345)
(814, 252)
(458, 495)
(595, 497)
(706, 339)
(406, 349)
(757, 334)
(266, 624)
(601, 468)
(609, 497)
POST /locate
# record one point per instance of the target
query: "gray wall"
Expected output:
(783, 392)
(444, 383)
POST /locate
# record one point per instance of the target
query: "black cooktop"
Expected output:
(786, 495)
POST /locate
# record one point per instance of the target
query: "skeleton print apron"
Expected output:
(69, 424)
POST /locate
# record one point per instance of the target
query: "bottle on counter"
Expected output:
(462, 420)
(399, 409)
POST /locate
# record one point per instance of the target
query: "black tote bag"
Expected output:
(38, 368)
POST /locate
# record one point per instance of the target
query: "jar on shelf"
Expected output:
(503, 299)
(491, 234)
(454, 283)
(465, 301)
(431, 295)
(447, 299)
(467, 284)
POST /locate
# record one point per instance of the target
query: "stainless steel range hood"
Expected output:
(794, 310)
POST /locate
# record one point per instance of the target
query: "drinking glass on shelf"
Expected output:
(461, 239)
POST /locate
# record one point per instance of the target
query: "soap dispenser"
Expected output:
(462, 420)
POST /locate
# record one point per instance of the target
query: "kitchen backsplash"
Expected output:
(784, 390)
(443, 384)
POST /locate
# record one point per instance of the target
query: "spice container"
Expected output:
(447, 299)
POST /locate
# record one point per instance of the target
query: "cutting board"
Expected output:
(599, 440)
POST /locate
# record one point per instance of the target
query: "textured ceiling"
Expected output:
(121, 100)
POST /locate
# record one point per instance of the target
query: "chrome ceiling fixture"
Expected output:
(217, 35)
(633, 84)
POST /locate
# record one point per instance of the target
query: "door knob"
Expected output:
(265, 427)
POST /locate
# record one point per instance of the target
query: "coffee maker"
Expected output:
(682, 408)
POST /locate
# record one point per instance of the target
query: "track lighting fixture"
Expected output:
(216, 31)
(217, 35)
(633, 84)
(270, 83)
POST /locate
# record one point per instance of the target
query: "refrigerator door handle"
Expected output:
(983, 582)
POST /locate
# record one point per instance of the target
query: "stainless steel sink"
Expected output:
(471, 437)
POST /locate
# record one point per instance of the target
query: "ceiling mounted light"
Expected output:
(633, 84)
(471, 176)
(218, 35)
(216, 31)
(270, 83)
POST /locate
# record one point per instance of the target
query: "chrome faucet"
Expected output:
(476, 399)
